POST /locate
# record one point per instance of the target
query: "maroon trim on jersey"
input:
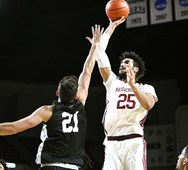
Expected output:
(144, 156)
(124, 137)
(143, 121)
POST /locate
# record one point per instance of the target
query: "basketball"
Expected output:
(115, 9)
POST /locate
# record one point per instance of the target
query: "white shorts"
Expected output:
(125, 155)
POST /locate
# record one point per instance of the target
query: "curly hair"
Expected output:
(68, 88)
(138, 62)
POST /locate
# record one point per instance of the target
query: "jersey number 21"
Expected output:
(66, 126)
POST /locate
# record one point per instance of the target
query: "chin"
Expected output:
(122, 75)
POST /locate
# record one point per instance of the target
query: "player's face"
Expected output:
(181, 160)
(123, 65)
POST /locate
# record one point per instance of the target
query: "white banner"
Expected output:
(138, 13)
(160, 11)
(181, 9)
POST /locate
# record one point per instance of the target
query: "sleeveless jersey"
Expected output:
(124, 114)
(63, 136)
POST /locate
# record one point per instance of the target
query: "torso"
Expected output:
(63, 136)
(123, 114)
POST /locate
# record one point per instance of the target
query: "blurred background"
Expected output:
(43, 40)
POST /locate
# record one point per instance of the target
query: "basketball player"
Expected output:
(64, 122)
(182, 163)
(127, 106)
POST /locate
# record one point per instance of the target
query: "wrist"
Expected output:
(102, 60)
(104, 42)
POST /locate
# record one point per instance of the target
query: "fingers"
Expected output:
(122, 19)
(93, 30)
(97, 31)
(102, 30)
(119, 21)
(88, 38)
(97, 28)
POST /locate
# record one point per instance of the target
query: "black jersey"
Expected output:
(63, 136)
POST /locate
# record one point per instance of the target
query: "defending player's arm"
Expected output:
(102, 58)
(85, 76)
(41, 114)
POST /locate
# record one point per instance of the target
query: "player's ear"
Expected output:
(57, 94)
(135, 69)
(185, 161)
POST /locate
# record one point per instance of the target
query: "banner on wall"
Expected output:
(160, 11)
(161, 148)
(181, 9)
(138, 13)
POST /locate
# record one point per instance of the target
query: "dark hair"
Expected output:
(68, 87)
(2, 161)
(138, 62)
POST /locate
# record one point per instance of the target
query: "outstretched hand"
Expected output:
(113, 24)
(97, 31)
(117, 22)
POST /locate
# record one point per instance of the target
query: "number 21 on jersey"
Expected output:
(66, 123)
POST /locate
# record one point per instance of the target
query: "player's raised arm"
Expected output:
(85, 76)
(102, 58)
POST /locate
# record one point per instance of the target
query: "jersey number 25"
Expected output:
(126, 101)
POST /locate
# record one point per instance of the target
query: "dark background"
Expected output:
(43, 40)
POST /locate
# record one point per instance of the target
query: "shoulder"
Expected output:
(147, 88)
(46, 108)
(144, 86)
(46, 112)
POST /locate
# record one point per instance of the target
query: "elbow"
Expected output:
(149, 106)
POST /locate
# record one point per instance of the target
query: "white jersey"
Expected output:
(123, 113)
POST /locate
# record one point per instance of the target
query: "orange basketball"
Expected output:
(115, 9)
